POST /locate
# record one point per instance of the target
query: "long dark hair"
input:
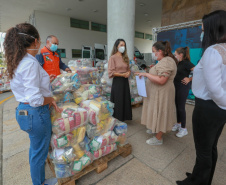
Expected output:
(115, 50)
(214, 25)
(17, 40)
(185, 51)
(166, 48)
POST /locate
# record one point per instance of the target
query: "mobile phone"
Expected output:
(23, 113)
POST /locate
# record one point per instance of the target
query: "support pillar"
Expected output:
(120, 24)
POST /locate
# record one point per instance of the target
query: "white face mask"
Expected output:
(153, 56)
(177, 58)
(201, 36)
(121, 49)
(33, 49)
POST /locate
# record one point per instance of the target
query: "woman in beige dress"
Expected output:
(159, 112)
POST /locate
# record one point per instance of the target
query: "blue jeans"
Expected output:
(38, 125)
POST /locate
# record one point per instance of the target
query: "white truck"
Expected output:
(99, 53)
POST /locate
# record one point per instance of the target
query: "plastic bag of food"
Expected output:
(70, 120)
(101, 127)
(87, 92)
(73, 139)
(63, 170)
(63, 106)
(121, 140)
(85, 104)
(120, 128)
(65, 83)
(137, 99)
(104, 151)
(103, 140)
(100, 111)
(105, 80)
(79, 165)
(86, 74)
(64, 155)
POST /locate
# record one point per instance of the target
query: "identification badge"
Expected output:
(23, 113)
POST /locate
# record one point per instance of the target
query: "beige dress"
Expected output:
(159, 111)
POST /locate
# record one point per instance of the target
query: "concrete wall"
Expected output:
(74, 38)
(69, 38)
(144, 46)
(179, 11)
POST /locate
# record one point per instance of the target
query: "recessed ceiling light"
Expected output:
(146, 14)
(148, 21)
(95, 11)
(142, 4)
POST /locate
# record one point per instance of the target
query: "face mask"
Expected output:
(177, 58)
(153, 56)
(53, 47)
(121, 49)
(201, 36)
(32, 49)
(35, 47)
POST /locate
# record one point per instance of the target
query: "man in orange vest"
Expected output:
(49, 58)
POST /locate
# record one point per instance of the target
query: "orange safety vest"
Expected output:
(51, 61)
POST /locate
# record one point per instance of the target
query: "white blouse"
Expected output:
(209, 76)
(31, 83)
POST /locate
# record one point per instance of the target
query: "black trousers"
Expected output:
(181, 94)
(208, 122)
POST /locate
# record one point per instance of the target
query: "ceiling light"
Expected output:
(142, 4)
(146, 14)
(148, 21)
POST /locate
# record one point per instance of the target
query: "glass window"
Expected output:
(61, 52)
(148, 36)
(76, 53)
(100, 54)
(139, 35)
(75, 23)
(98, 27)
(86, 54)
(138, 55)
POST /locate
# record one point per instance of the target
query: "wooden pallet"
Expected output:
(5, 91)
(98, 165)
(137, 105)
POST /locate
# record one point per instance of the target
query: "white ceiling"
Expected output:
(13, 12)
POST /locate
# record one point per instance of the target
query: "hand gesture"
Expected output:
(127, 74)
(185, 81)
(53, 103)
(68, 70)
(52, 77)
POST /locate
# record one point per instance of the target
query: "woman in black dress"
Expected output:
(118, 69)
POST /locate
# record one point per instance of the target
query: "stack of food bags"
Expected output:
(106, 82)
(84, 130)
(83, 62)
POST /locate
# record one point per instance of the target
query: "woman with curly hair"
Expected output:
(31, 86)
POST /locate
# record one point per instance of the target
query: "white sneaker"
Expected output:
(52, 181)
(148, 131)
(154, 141)
(176, 127)
(182, 132)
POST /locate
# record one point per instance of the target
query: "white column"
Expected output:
(120, 24)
